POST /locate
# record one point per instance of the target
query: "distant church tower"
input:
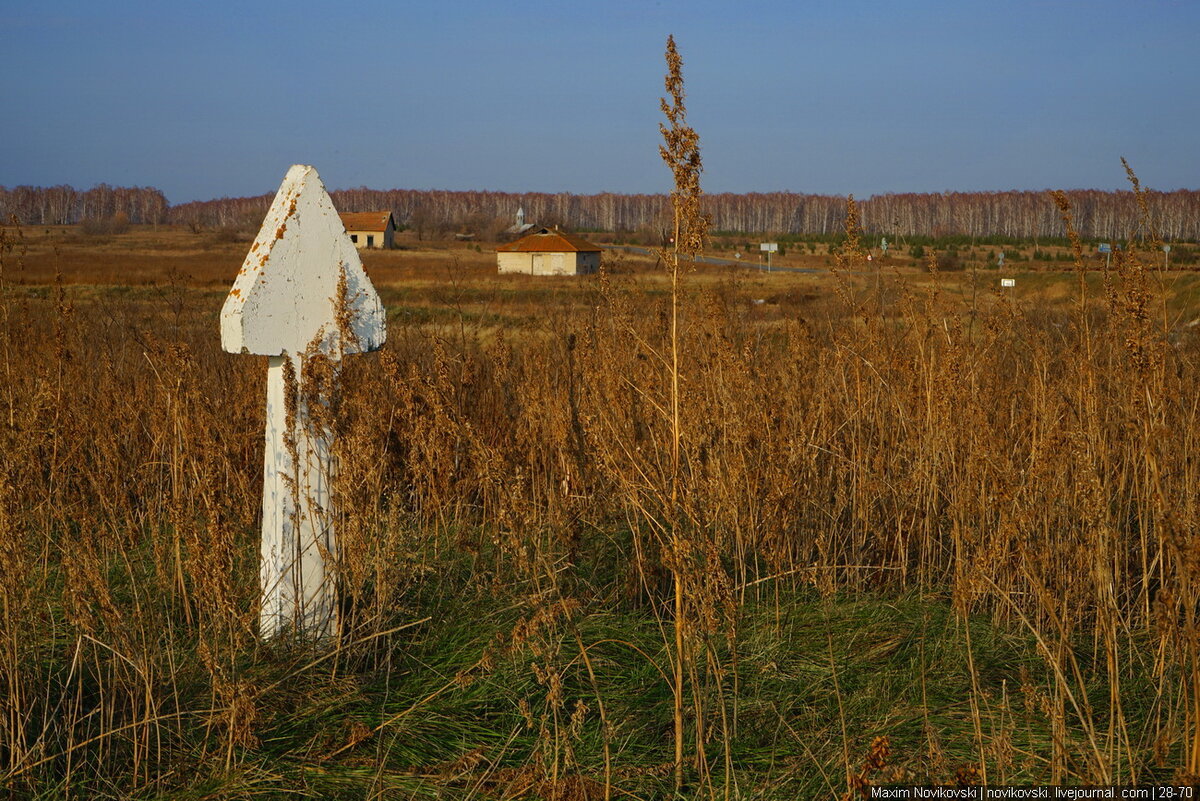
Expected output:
(521, 227)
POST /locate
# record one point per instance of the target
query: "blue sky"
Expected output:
(218, 98)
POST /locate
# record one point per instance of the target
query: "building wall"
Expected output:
(553, 263)
(383, 239)
(515, 262)
(548, 263)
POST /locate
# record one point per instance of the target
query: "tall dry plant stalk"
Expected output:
(681, 153)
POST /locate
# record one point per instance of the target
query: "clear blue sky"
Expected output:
(208, 99)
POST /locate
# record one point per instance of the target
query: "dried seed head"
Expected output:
(681, 152)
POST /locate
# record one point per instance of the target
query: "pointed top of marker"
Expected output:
(286, 296)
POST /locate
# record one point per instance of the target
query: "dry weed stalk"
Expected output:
(681, 153)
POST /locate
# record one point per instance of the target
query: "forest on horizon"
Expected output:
(1097, 214)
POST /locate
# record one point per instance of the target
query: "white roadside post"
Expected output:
(303, 299)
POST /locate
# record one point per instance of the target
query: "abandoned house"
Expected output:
(370, 229)
(547, 252)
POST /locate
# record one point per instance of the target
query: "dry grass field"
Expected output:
(917, 529)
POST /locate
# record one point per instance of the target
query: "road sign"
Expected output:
(769, 247)
(1104, 247)
(1008, 282)
(303, 299)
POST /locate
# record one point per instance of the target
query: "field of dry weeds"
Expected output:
(916, 529)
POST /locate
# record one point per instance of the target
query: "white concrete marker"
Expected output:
(303, 299)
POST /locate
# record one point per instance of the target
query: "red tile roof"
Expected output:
(549, 242)
(365, 220)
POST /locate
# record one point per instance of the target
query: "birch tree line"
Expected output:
(65, 205)
(1173, 216)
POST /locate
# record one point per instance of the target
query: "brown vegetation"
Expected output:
(1026, 459)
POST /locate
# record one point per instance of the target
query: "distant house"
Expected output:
(370, 229)
(547, 252)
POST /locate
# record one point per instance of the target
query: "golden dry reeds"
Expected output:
(629, 447)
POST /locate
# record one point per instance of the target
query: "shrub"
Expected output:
(949, 262)
(106, 226)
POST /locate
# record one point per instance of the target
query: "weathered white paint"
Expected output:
(297, 527)
(301, 297)
(285, 294)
